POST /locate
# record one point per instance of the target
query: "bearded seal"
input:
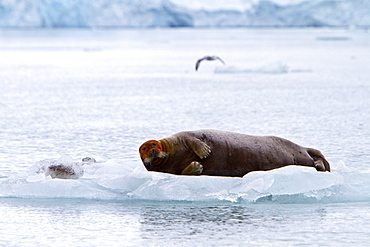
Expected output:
(221, 153)
(208, 58)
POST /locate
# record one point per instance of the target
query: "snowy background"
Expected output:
(179, 13)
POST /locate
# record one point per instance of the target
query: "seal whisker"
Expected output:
(162, 155)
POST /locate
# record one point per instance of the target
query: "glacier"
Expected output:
(178, 13)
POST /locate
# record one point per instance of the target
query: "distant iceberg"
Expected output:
(277, 67)
(179, 13)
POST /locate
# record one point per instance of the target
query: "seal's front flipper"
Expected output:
(199, 147)
(195, 168)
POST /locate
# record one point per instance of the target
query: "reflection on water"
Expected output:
(31, 221)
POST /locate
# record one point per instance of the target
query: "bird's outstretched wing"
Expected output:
(209, 58)
(222, 61)
(198, 63)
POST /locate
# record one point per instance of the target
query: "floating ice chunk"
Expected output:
(265, 68)
(130, 181)
(340, 167)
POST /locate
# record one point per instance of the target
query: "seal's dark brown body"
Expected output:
(223, 153)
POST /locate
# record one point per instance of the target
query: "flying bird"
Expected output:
(209, 58)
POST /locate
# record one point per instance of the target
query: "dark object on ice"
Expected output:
(208, 58)
(65, 171)
(89, 159)
(221, 153)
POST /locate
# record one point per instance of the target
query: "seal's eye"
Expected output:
(143, 149)
(154, 144)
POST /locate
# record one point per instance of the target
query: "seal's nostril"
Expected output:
(152, 151)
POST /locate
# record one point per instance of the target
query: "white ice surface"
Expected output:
(112, 180)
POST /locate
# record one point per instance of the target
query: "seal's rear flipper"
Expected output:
(321, 164)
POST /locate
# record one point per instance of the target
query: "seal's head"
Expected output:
(151, 152)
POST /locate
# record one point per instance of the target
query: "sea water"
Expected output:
(70, 94)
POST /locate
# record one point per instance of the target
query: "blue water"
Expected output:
(51, 222)
(69, 94)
